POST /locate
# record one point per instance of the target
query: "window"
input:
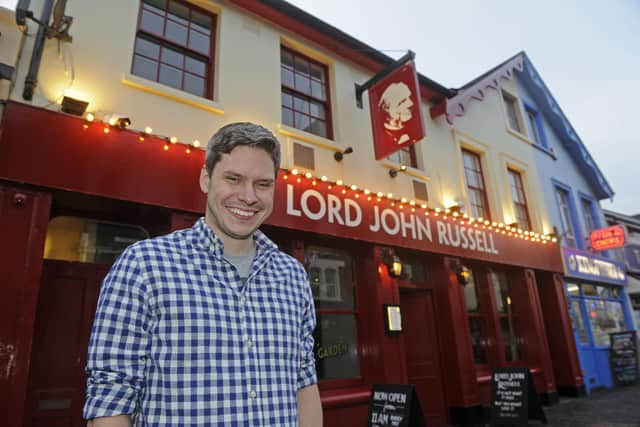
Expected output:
(86, 240)
(475, 185)
(507, 316)
(568, 232)
(605, 317)
(174, 46)
(536, 133)
(305, 94)
(519, 200)
(479, 341)
(511, 107)
(405, 156)
(420, 191)
(333, 286)
(587, 211)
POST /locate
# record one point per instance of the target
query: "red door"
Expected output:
(66, 306)
(421, 349)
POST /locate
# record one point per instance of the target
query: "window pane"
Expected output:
(157, 6)
(302, 122)
(172, 57)
(301, 66)
(301, 105)
(319, 127)
(471, 296)
(578, 321)
(317, 110)
(510, 338)
(605, 317)
(170, 76)
(336, 346)
(199, 42)
(334, 280)
(85, 240)
(287, 100)
(147, 48)
(303, 84)
(478, 340)
(151, 22)
(317, 72)
(176, 33)
(194, 84)
(287, 117)
(317, 90)
(178, 13)
(286, 58)
(201, 23)
(195, 66)
(144, 67)
(287, 77)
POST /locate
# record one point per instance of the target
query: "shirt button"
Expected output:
(252, 394)
(249, 343)
(243, 299)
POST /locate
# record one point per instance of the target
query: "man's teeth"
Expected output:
(242, 213)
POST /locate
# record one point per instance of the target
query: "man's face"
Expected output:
(401, 112)
(239, 192)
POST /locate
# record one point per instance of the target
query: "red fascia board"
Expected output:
(50, 149)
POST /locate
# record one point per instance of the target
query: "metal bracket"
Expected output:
(409, 56)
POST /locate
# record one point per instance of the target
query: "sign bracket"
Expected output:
(409, 56)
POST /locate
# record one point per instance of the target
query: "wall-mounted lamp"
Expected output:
(338, 155)
(455, 209)
(553, 235)
(463, 273)
(73, 106)
(394, 172)
(392, 262)
(512, 224)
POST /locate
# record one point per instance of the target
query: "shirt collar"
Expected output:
(206, 239)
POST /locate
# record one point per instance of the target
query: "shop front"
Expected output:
(471, 296)
(595, 288)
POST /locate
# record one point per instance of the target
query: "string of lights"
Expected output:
(298, 176)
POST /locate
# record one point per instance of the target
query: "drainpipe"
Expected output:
(36, 56)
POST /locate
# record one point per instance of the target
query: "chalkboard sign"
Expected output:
(624, 357)
(514, 399)
(395, 405)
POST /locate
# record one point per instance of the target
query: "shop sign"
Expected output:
(584, 265)
(607, 238)
(396, 115)
(340, 212)
(623, 355)
(514, 399)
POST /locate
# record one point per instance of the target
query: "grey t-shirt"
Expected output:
(242, 263)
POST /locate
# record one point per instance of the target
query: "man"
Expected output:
(211, 325)
(397, 105)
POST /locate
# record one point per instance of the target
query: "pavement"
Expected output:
(616, 407)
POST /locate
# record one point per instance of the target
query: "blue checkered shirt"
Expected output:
(179, 340)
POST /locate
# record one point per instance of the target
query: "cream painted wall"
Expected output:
(247, 87)
(485, 130)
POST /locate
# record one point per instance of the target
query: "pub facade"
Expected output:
(419, 272)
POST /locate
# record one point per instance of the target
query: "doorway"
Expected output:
(66, 306)
(422, 353)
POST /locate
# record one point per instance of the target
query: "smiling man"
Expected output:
(209, 326)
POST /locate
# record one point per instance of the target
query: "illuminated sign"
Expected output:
(586, 266)
(325, 208)
(607, 238)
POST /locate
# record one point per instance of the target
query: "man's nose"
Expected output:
(248, 193)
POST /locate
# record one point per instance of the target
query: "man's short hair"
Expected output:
(244, 133)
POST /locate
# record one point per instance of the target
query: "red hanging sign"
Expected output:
(607, 238)
(396, 111)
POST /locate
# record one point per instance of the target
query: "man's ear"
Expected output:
(204, 180)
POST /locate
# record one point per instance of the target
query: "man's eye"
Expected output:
(232, 179)
(265, 184)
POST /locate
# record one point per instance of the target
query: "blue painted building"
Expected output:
(573, 185)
